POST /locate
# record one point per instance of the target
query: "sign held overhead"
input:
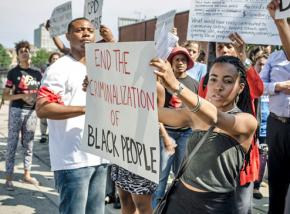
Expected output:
(60, 18)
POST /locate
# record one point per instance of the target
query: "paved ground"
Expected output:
(28, 199)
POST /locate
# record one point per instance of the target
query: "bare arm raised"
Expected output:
(57, 41)
(282, 26)
(239, 46)
(242, 125)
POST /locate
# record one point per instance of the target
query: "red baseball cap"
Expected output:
(181, 50)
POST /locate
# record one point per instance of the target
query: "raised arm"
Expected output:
(57, 41)
(171, 117)
(160, 94)
(175, 117)
(240, 124)
(60, 45)
(239, 45)
(282, 26)
(107, 34)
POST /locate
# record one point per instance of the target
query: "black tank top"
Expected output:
(217, 164)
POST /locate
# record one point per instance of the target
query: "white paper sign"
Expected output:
(214, 20)
(284, 10)
(93, 12)
(60, 18)
(165, 43)
(121, 110)
(165, 21)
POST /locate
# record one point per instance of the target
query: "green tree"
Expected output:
(5, 59)
(40, 58)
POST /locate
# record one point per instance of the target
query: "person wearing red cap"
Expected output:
(180, 61)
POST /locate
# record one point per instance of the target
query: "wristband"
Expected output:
(197, 106)
(179, 90)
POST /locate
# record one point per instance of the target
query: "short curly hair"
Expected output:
(22, 44)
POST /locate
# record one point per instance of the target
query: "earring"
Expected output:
(237, 99)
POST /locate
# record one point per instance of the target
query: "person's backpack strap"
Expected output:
(187, 160)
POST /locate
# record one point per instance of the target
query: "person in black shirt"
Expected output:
(21, 89)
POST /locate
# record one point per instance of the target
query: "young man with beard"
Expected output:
(80, 177)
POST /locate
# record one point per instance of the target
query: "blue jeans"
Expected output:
(168, 161)
(82, 191)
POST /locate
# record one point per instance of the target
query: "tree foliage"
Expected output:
(40, 58)
(5, 59)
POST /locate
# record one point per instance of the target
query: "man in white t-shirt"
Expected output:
(80, 178)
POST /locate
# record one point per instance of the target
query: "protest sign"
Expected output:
(121, 110)
(60, 18)
(93, 12)
(165, 41)
(165, 21)
(214, 20)
(284, 10)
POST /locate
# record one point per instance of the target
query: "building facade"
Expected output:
(42, 39)
(126, 21)
(144, 30)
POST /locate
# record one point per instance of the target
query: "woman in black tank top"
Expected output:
(209, 181)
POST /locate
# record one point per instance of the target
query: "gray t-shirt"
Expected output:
(217, 164)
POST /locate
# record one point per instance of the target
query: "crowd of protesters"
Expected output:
(241, 102)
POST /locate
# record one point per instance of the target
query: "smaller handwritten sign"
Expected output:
(93, 12)
(164, 22)
(60, 18)
(165, 41)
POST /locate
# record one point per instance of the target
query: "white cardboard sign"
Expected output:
(165, 41)
(121, 110)
(60, 18)
(165, 22)
(214, 20)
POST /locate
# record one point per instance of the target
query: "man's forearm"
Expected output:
(55, 111)
(284, 32)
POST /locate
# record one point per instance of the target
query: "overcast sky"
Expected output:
(19, 18)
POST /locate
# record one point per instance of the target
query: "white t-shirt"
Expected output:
(65, 77)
